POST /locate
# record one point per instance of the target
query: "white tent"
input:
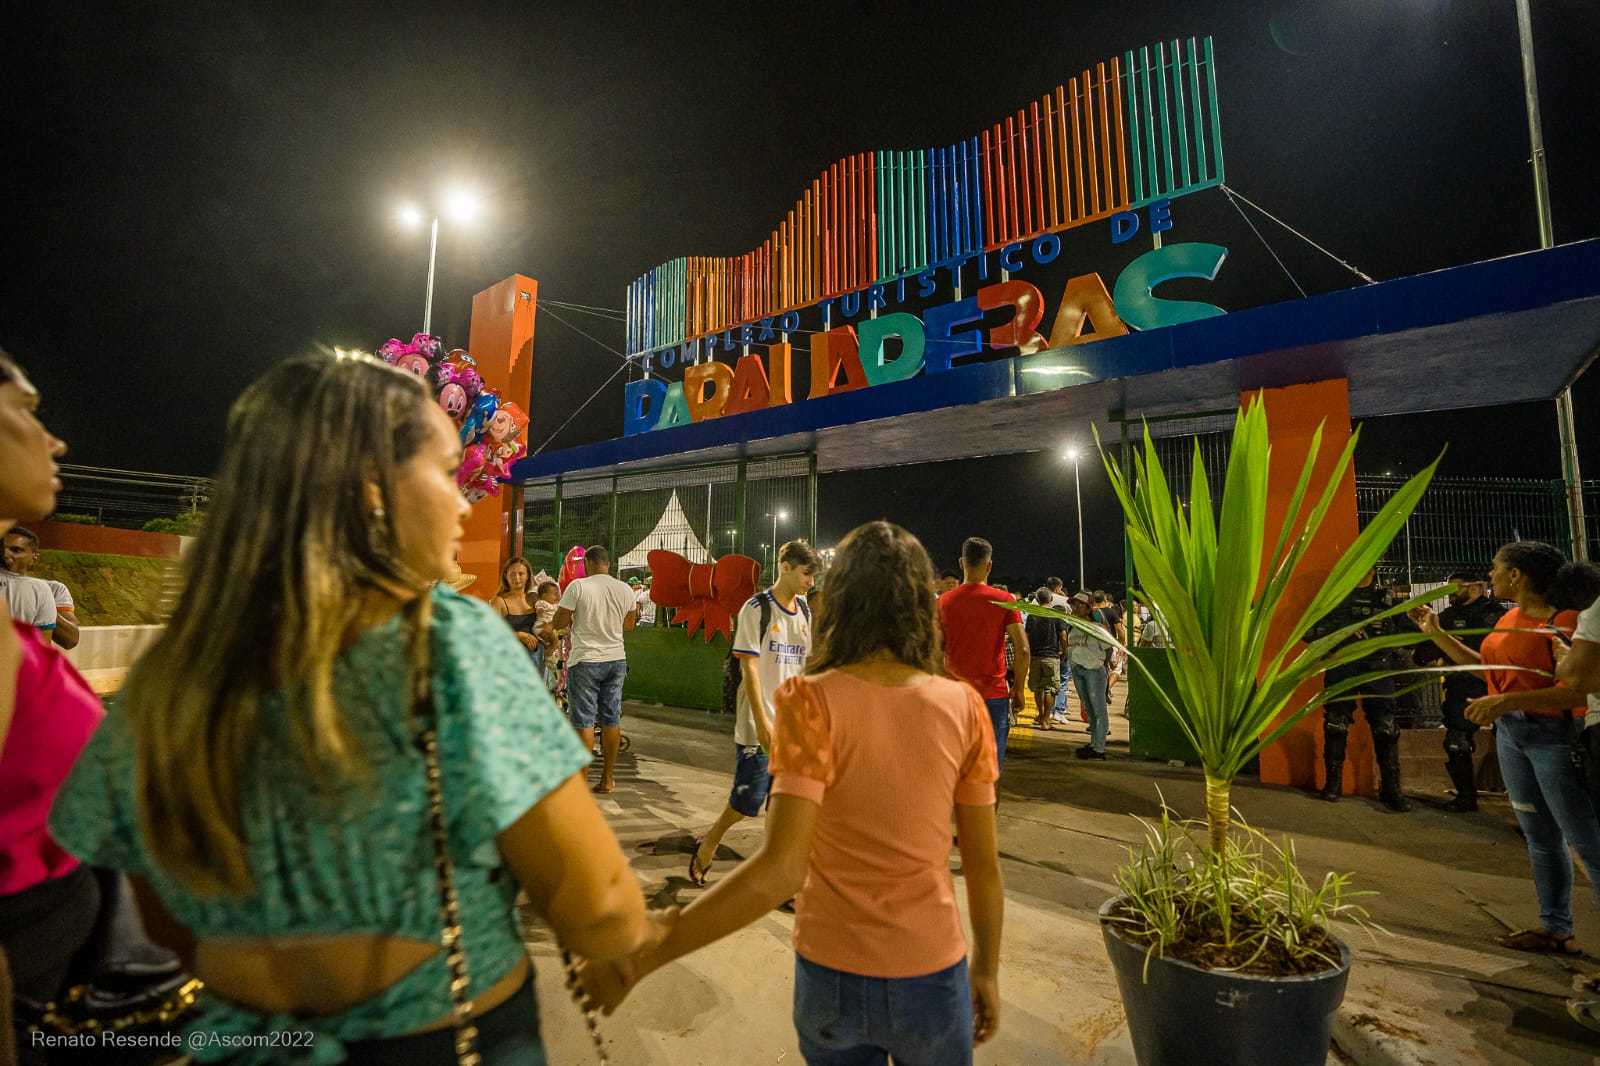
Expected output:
(672, 533)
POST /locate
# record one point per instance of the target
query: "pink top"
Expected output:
(56, 712)
(887, 766)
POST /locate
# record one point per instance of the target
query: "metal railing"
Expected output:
(129, 498)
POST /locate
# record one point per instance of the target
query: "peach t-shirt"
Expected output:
(887, 766)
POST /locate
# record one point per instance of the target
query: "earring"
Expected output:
(377, 512)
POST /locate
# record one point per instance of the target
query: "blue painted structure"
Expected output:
(1503, 331)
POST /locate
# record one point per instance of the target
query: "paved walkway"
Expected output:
(1430, 988)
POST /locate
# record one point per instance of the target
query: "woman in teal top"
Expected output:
(262, 778)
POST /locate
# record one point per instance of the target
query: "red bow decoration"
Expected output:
(708, 594)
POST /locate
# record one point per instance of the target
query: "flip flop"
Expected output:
(604, 789)
(1540, 941)
(697, 873)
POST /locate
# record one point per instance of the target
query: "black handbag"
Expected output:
(1586, 758)
(119, 981)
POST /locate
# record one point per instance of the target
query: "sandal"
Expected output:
(1541, 941)
(697, 872)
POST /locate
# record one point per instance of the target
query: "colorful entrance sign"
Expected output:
(881, 234)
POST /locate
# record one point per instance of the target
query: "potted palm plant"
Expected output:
(1215, 931)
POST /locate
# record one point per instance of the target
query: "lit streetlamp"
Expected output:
(460, 206)
(1077, 487)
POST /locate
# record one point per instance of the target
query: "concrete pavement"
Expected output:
(1431, 987)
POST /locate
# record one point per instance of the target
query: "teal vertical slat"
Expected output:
(1216, 119)
(1150, 154)
(1182, 120)
(903, 173)
(885, 269)
(919, 189)
(1132, 126)
(1166, 118)
(1202, 172)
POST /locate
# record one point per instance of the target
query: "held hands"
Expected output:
(607, 984)
(985, 1007)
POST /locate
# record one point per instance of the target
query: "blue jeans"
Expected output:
(999, 717)
(1060, 709)
(846, 1020)
(594, 691)
(1552, 807)
(1093, 688)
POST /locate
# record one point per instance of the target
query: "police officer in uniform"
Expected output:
(1377, 697)
(1471, 607)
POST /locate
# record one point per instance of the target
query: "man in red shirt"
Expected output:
(975, 632)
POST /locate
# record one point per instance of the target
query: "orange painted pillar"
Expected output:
(1293, 414)
(501, 342)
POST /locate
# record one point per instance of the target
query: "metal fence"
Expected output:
(683, 510)
(1459, 523)
(129, 498)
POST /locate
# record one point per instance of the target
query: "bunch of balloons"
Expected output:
(491, 430)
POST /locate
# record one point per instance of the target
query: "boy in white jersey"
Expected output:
(767, 656)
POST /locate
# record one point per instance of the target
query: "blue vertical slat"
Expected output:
(973, 162)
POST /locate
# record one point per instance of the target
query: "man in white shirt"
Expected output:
(31, 601)
(1579, 670)
(21, 555)
(1058, 598)
(598, 609)
(647, 606)
(767, 655)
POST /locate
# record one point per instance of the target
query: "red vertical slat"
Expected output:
(1012, 176)
(988, 189)
(1024, 174)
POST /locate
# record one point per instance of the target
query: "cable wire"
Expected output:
(1226, 192)
(1357, 271)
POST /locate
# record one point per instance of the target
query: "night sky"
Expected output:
(194, 192)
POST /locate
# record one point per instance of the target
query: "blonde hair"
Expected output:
(274, 588)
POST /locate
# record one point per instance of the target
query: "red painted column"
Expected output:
(1293, 414)
(501, 341)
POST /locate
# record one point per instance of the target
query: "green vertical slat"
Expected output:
(903, 167)
(1216, 119)
(1166, 117)
(919, 188)
(1202, 172)
(1132, 125)
(877, 179)
(1182, 115)
(1149, 126)
(891, 184)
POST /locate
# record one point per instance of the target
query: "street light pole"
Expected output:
(1077, 488)
(1576, 520)
(433, 257)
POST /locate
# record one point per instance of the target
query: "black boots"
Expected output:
(1389, 773)
(1389, 793)
(1333, 766)
(1459, 764)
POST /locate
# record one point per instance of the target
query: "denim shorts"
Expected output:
(594, 692)
(844, 1019)
(752, 781)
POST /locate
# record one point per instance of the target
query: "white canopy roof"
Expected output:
(672, 533)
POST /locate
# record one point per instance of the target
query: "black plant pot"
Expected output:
(1186, 1015)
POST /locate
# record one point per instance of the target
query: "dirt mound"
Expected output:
(109, 590)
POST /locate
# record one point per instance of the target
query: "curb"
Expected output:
(1369, 1042)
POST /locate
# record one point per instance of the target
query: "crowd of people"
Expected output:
(331, 779)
